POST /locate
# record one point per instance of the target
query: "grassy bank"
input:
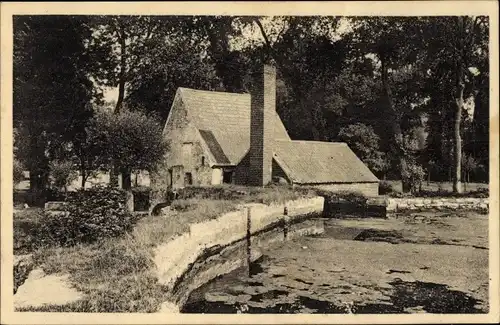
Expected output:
(443, 189)
(117, 274)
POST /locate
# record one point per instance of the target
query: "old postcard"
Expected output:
(249, 162)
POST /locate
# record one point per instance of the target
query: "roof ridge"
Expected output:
(316, 142)
(212, 91)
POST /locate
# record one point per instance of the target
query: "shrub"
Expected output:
(415, 174)
(90, 215)
(62, 174)
(18, 174)
(26, 228)
(54, 194)
(385, 188)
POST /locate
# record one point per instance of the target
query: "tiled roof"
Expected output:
(227, 117)
(214, 147)
(313, 162)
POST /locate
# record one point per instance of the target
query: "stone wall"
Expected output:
(415, 204)
(185, 149)
(176, 258)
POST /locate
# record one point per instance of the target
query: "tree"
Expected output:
(396, 45)
(18, 168)
(365, 143)
(470, 164)
(62, 174)
(89, 148)
(463, 43)
(133, 141)
(121, 44)
(308, 62)
(51, 87)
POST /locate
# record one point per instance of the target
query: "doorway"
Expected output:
(227, 177)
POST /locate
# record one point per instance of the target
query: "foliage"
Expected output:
(62, 174)
(365, 143)
(18, 171)
(132, 139)
(469, 163)
(26, 226)
(89, 148)
(51, 87)
(478, 193)
(93, 214)
(385, 188)
(382, 72)
(90, 215)
(415, 173)
(244, 194)
(18, 167)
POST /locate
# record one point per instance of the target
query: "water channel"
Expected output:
(379, 267)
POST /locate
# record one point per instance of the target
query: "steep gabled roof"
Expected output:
(214, 147)
(225, 119)
(314, 162)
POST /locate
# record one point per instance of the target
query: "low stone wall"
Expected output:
(182, 262)
(440, 204)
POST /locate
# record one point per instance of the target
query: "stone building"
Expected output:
(220, 137)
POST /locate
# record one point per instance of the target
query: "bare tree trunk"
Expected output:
(396, 129)
(459, 99)
(127, 186)
(123, 67)
(84, 178)
(113, 173)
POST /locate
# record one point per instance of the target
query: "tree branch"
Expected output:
(263, 33)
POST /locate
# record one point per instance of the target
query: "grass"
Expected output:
(117, 274)
(445, 189)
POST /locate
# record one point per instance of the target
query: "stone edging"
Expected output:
(176, 257)
(406, 204)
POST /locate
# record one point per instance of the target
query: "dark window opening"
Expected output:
(203, 160)
(227, 177)
(188, 179)
(170, 181)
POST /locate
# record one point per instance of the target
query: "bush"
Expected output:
(91, 214)
(54, 194)
(62, 174)
(18, 174)
(415, 174)
(26, 228)
(385, 188)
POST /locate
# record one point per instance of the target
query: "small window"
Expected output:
(188, 179)
(203, 160)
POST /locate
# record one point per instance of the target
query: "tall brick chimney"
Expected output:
(263, 107)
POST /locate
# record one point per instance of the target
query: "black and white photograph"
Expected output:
(208, 164)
